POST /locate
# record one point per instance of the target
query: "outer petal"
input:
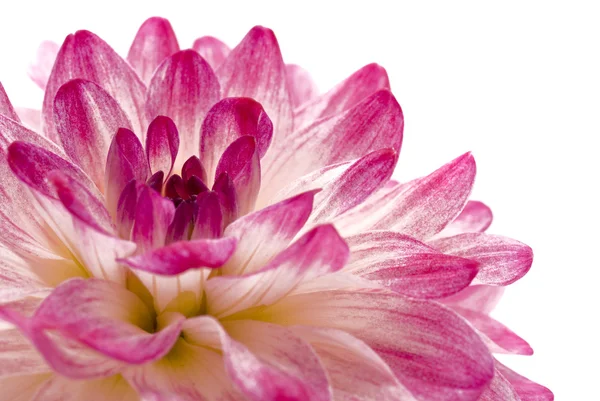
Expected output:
(525, 388)
(374, 124)
(301, 86)
(59, 388)
(502, 260)
(255, 69)
(18, 357)
(184, 255)
(360, 85)
(317, 253)
(184, 88)
(162, 145)
(266, 362)
(475, 217)
(499, 389)
(86, 118)
(212, 50)
(408, 266)
(6, 108)
(39, 71)
(228, 120)
(84, 55)
(280, 223)
(100, 315)
(154, 42)
(435, 199)
(21, 388)
(432, 351)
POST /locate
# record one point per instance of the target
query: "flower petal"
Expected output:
(431, 350)
(301, 86)
(162, 145)
(152, 219)
(228, 120)
(31, 118)
(39, 70)
(279, 223)
(209, 221)
(184, 88)
(502, 261)
(476, 217)
(317, 253)
(184, 255)
(86, 118)
(18, 356)
(154, 42)
(6, 107)
(212, 50)
(500, 389)
(420, 208)
(22, 388)
(84, 55)
(265, 361)
(479, 298)
(126, 208)
(255, 69)
(525, 388)
(353, 90)
(408, 266)
(59, 388)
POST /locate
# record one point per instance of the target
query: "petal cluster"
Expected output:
(201, 224)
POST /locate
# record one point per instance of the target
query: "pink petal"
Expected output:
(39, 71)
(376, 123)
(241, 162)
(86, 119)
(6, 107)
(126, 208)
(154, 42)
(498, 337)
(17, 280)
(355, 371)
(225, 190)
(99, 315)
(162, 145)
(22, 388)
(255, 69)
(152, 219)
(525, 388)
(86, 56)
(500, 389)
(431, 350)
(476, 217)
(18, 356)
(359, 86)
(265, 361)
(126, 161)
(479, 298)
(212, 50)
(502, 261)
(319, 252)
(279, 223)
(209, 221)
(408, 266)
(420, 208)
(228, 120)
(184, 255)
(184, 88)
(301, 86)
(31, 118)
(58, 388)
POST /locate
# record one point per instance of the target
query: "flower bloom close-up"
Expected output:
(202, 224)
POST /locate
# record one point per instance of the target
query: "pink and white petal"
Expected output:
(126, 208)
(376, 123)
(525, 388)
(279, 223)
(431, 350)
(499, 389)
(100, 315)
(479, 298)
(86, 56)
(255, 69)
(241, 162)
(6, 107)
(355, 371)
(499, 338)
(126, 161)
(180, 256)
(408, 266)
(476, 217)
(17, 280)
(152, 219)
(22, 388)
(212, 50)
(31, 118)
(353, 90)
(435, 199)
(317, 253)
(228, 120)
(18, 357)
(300, 84)
(162, 145)
(502, 261)
(184, 87)
(154, 42)
(209, 220)
(266, 362)
(40, 69)
(186, 373)
(58, 388)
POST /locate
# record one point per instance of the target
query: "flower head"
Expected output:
(201, 225)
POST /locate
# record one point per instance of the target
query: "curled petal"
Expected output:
(162, 145)
(212, 50)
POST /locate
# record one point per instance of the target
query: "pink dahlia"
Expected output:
(201, 225)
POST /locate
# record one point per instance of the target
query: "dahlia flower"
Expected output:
(201, 225)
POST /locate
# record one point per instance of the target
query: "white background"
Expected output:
(517, 83)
